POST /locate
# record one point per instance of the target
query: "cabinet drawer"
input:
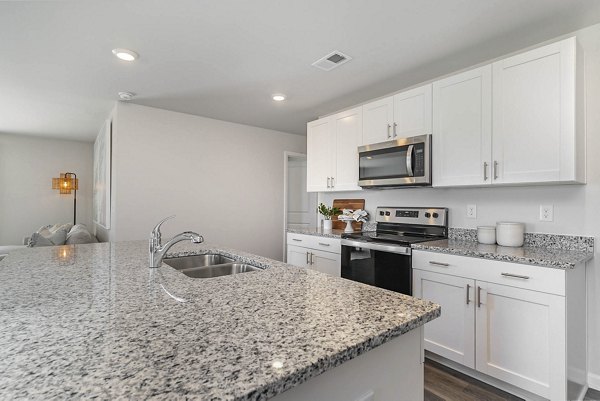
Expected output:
(536, 278)
(315, 242)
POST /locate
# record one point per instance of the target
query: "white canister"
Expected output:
(510, 234)
(327, 225)
(486, 234)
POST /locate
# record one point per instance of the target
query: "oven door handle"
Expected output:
(402, 250)
(409, 158)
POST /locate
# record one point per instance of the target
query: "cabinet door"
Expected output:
(534, 115)
(520, 337)
(452, 335)
(320, 154)
(298, 256)
(326, 262)
(348, 134)
(462, 129)
(412, 112)
(378, 119)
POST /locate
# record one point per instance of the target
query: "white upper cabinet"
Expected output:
(332, 152)
(535, 135)
(378, 120)
(412, 112)
(400, 116)
(320, 154)
(462, 128)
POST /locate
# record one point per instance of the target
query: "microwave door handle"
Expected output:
(409, 159)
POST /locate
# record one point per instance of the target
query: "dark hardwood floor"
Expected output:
(445, 384)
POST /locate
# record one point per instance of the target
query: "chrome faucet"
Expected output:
(158, 251)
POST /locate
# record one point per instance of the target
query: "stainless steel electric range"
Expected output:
(382, 258)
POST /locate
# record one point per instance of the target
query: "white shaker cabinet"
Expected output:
(462, 129)
(402, 115)
(538, 133)
(322, 254)
(332, 152)
(320, 154)
(519, 335)
(522, 325)
(517, 121)
(451, 335)
(412, 112)
(378, 121)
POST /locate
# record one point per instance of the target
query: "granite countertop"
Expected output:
(530, 255)
(93, 321)
(317, 231)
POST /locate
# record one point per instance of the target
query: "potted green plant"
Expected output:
(328, 213)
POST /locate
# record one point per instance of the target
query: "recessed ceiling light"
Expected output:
(279, 97)
(125, 54)
(126, 96)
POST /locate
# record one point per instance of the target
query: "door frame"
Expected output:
(286, 158)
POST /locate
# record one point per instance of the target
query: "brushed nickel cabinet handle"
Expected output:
(307, 259)
(395, 125)
(312, 261)
(478, 296)
(515, 276)
(296, 239)
(328, 186)
(324, 244)
(495, 170)
(432, 262)
(389, 135)
(468, 289)
(485, 167)
(332, 182)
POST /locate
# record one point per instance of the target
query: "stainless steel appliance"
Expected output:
(398, 163)
(382, 258)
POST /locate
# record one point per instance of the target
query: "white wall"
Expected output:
(221, 179)
(27, 200)
(575, 206)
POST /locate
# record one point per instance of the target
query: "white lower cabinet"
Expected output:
(316, 253)
(451, 335)
(507, 321)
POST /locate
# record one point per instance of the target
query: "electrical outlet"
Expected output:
(546, 212)
(472, 211)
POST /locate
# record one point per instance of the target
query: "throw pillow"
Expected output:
(80, 235)
(58, 238)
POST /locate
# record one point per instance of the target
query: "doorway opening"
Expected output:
(300, 206)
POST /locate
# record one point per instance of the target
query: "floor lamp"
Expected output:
(65, 184)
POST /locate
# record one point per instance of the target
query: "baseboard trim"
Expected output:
(594, 381)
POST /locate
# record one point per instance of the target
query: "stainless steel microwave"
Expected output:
(398, 163)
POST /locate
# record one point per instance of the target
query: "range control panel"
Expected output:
(436, 216)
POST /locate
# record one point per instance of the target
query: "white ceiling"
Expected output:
(224, 58)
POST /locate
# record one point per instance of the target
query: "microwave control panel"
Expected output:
(419, 163)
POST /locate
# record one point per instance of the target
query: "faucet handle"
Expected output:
(155, 234)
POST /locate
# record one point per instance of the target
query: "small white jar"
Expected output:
(486, 234)
(510, 233)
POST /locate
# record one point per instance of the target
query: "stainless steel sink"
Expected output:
(219, 270)
(188, 262)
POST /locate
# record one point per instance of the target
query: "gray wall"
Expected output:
(27, 200)
(221, 179)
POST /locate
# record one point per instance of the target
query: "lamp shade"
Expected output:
(66, 183)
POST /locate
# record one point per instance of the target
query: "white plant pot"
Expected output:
(327, 225)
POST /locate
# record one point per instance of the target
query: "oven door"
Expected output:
(395, 163)
(379, 265)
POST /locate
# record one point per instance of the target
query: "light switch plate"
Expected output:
(472, 211)
(546, 212)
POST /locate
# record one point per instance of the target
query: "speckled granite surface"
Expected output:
(316, 231)
(93, 321)
(539, 256)
(554, 241)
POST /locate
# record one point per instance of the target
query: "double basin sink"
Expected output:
(209, 265)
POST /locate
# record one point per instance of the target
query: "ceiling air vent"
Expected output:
(332, 60)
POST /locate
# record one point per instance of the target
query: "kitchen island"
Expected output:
(93, 320)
